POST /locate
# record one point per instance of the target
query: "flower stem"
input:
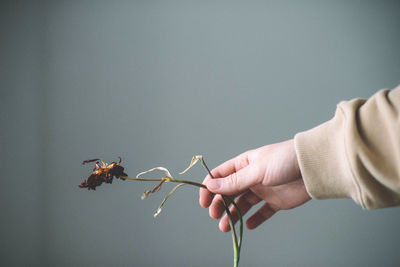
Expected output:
(236, 243)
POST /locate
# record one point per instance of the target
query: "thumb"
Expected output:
(235, 183)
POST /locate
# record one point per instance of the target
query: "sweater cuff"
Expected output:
(323, 162)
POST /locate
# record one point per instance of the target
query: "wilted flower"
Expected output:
(102, 173)
(105, 173)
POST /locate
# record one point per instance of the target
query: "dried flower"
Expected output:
(104, 173)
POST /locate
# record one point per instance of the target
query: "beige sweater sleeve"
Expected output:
(356, 154)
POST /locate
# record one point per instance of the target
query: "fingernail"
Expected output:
(214, 184)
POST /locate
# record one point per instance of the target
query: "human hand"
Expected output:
(270, 173)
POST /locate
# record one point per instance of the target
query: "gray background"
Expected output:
(156, 82)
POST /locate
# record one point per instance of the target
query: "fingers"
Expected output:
(236, 182)
(217, 207)
(206, 196)
(231, 166)
(261, 215)
(244, 203)
(222, 170)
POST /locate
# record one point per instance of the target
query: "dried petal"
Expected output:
(195, 159)
(102, 174)
(145, 194)
(165, 170)
(89, 160)
(157, 212)
(165, 199)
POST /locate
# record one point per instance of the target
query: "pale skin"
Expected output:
(270, 174)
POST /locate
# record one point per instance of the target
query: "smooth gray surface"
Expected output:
(156, 82)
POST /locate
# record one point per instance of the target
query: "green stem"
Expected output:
(240, 222)
(234, 204)
(236, 243)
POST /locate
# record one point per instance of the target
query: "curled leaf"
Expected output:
(145, 194)
(155, 189)
(165, 199)
(165, 170)
(157, 212)
(194, 160)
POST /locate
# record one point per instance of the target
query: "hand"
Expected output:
(270, 173)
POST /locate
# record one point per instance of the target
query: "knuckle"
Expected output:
(256, 154)
(241, 161)
(267, 178)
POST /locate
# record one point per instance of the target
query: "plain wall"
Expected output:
(157, 82)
